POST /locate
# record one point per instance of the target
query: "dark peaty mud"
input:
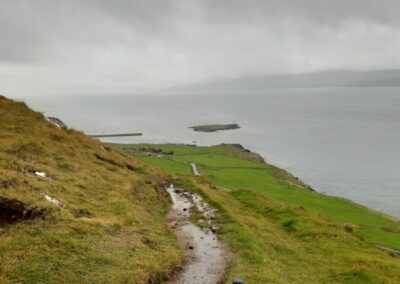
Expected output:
(12, 210)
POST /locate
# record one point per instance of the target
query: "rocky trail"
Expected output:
(206, 258)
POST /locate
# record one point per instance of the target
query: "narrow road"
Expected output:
(194, 169)
(206, 258)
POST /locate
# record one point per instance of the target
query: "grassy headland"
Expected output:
(280, 231)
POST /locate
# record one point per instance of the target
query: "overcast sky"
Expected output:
(114, 46)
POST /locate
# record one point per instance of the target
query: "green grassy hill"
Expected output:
(280, 231)
(112, 227)
(106, 223)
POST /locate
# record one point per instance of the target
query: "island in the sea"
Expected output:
(215, 127)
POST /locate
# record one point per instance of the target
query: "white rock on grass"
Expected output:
(41, 174)
(53, 200)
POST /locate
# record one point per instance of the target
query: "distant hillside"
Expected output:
(378, 78)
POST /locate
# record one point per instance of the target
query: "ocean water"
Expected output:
(341, 141)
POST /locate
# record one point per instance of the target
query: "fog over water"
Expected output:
(342, 141)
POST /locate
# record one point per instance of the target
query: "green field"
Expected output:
(276, 226)
(227, 168)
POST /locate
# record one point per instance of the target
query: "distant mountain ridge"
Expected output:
(337, 78)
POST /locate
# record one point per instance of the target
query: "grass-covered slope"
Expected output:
(279, 231)
(112, 227)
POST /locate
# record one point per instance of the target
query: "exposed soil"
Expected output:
(12, 210)
(206, 258)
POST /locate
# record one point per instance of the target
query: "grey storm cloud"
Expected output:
(82, 46)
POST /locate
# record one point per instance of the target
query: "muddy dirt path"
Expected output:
(206, 258)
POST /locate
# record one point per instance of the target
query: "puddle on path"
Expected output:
(206, 258)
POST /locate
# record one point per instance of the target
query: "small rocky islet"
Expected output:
(215, 127)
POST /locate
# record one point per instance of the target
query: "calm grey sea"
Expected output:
(342, 141)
